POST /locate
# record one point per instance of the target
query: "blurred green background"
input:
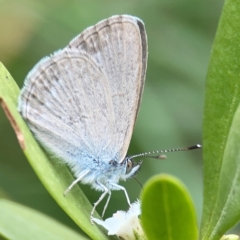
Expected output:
(180, 35)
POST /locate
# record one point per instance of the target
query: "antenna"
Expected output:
(161, 156)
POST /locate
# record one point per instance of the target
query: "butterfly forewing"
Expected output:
(119, 46)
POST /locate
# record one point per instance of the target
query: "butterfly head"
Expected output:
(131, 168)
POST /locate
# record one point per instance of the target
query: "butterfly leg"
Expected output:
(105, 207)
(84, 173)
(105, 192)
(122, 188)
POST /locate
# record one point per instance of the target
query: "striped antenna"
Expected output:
(162, 156)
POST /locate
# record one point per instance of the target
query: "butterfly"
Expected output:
(82, 102)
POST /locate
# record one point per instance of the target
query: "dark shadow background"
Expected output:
(180, 35)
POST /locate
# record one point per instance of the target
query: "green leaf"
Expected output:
(227, 208)
(221, 101)
(54, 176)
(20, 222)
(167, 210)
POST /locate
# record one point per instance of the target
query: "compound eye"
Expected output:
(129, 166)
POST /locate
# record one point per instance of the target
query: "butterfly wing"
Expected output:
(119, 46)
(81, 103)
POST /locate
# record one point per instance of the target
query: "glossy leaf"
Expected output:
(167, 210)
